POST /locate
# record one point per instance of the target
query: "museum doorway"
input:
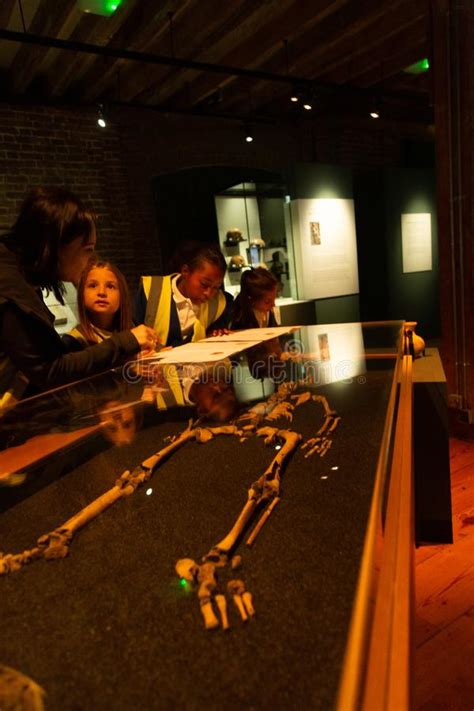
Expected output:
(185, 203)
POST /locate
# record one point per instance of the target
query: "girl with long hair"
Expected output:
(103, 302)
(51, 242)
(254, 305)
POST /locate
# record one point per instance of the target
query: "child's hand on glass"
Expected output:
(147, 338)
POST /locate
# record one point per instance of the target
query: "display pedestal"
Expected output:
(433, 513)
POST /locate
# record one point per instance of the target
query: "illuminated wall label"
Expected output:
(416, 242)
(325, 247)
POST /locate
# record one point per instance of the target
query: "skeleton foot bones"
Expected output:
(204, 576)
(265, 490)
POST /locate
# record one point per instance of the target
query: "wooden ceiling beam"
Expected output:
(223, 26)
(420, 83)
(413, 31)
(383, 50)
(30, 60)
(333, 30)
(370, 30)
(249, 45)
(68, 68)
(326, 37)
(145, 27)
(365, 73)
(380, 71)
(6, 11)
(90, 28)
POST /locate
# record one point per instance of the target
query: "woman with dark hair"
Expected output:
(189, 303)
(253, 307)
(51, 242)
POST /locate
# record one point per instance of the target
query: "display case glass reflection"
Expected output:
(67, 448)
(255, 230)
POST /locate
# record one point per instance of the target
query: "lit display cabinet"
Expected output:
(101, 496)
(255, 230)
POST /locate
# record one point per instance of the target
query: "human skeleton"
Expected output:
(263, 493)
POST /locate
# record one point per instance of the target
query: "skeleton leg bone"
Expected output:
(268, 485)
(259, 525)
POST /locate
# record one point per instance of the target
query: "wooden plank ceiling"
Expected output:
(345, 54)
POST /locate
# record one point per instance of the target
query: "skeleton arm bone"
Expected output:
(56, 543)
(266, 486)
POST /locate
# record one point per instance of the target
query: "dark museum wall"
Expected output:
(117, 170)
(44, 146)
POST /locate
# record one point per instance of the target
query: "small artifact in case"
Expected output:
(237, 263)
(233, 237)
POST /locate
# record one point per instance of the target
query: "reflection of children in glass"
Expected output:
(253, 307)
(120, 422)
(103, 303)
(206, 387)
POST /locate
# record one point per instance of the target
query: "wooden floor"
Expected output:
(444, 625)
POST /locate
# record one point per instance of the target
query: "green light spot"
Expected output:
(183, 583)
(112, 5)
(418, 67)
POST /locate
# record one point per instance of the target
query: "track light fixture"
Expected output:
(298, 93)
(295, 94)
(101, 116)
(248, 133)
(302, 96)
(374, 110)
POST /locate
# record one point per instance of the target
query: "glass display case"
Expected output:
(139, 509)
(255, 230)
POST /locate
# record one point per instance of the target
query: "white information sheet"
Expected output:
(199, 352)
(325, 247)
(416, 242)
(251, 335)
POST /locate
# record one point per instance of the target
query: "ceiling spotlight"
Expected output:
(307, 106)
(99, 7)
(101, 117)
(418, 67)
(295, 95)
(248, 134)
(374, 109)
(299, 92)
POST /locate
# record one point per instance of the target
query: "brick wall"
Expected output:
(45, 146)
(111, 169)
